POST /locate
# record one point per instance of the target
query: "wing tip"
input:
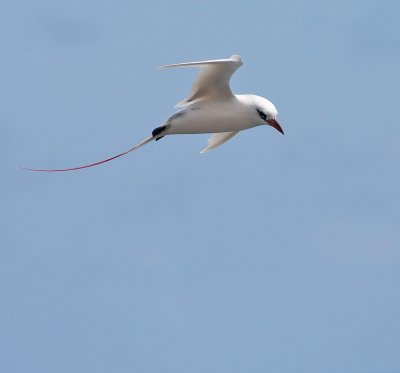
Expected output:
(234, 58)
(208, 149)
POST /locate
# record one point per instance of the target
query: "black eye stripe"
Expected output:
(261, 114)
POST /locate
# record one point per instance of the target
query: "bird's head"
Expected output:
(265, 111)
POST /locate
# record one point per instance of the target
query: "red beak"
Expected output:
(274, 123)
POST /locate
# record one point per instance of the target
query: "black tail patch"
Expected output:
(159, 130)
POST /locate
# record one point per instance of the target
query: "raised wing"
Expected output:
(218, 139)
(213, 80)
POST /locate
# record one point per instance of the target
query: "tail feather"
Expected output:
(144, 142)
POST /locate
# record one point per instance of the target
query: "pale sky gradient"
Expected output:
(272, 254)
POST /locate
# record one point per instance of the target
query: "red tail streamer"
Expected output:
(91, 164)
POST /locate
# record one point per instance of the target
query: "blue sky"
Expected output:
(271, 254)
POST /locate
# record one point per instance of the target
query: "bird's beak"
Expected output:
(274, 123)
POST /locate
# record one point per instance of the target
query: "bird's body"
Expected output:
(210, 116)
(211, 107)
(213, 116)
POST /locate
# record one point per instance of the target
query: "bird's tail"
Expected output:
(144, 142)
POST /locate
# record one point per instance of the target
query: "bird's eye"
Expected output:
(261, 114)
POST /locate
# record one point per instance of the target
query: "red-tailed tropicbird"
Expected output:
(211, 107)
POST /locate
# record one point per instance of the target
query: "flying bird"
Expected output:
(211, 107)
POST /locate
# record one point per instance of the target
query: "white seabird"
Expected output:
(211, 107)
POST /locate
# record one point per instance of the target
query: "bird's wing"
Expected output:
(218, 139)
(213, 80)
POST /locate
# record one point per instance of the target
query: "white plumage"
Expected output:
(211, 107)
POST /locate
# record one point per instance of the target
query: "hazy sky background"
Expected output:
(272, 254)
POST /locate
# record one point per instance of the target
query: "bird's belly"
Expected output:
(192, 121)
